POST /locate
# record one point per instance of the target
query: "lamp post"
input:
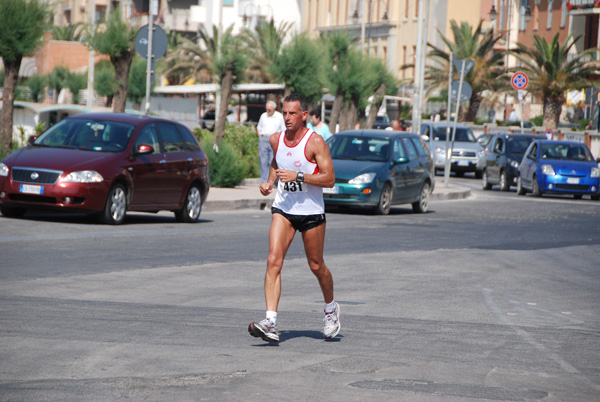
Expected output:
(494, 14)
(367, 10)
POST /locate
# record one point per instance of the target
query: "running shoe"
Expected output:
(265, 330)
(332, 322)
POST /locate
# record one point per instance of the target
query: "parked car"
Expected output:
(464, 152)
(560, 167)
(107, 164)
(378, 169)
(483, 140)
(209, 119)
(501, 163)
(382, 122)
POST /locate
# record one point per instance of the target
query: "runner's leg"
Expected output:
(280, 237)
(314, 240)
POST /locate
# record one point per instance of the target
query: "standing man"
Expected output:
(270, 122)
(303, 166)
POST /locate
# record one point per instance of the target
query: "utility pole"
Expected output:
(90, 84)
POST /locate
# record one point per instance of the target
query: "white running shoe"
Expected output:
(265, 329)
(332, 322)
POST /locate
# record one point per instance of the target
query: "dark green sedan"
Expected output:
(378, 169)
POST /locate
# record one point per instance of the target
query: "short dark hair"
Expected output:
(297, 98)
(316, 113)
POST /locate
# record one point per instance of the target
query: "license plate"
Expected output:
(332, 190)
(463, 163)
(572, 180)
(29, 189)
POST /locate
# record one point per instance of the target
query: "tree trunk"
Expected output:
(226, 89)
(378, 97)
(348, 116)
(122, 65)
(552, 110)
(474, 103)
(335, 112)
(11, 72)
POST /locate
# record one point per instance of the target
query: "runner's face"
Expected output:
(292, 115)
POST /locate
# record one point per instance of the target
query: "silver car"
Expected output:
(464, 152)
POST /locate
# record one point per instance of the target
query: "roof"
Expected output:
(212, 88)
(376, 133)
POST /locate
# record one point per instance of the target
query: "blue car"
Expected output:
(559, 167)
(378, 169)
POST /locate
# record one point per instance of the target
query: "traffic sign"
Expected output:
(468, 64)
(466, 93)
(519, 81)
(159, 42)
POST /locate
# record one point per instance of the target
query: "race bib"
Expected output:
(293, 187)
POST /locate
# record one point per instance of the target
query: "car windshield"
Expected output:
(517, 146)
(462, 134)
(566, 152)
(91, 135)
(361, 148)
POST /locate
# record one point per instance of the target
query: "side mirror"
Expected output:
(598, 160)
(400, 161)
(32, 138)
(480, 141)
(425, 137)
(145, 149)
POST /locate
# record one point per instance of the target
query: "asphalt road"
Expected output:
(495, 297)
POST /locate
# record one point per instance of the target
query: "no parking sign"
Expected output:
(519, 81)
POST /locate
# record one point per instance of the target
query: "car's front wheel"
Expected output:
(116, 206)
(422, 205)
(485, 184)
(12, 212)
(385, 200)
(536, 188)
(192, 206)
(520, 189)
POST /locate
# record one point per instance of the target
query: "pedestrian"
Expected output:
(317, 125)
(303, 167)
(270, 122)
(513, 115)
(395, 126)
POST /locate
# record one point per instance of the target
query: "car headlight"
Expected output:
(3, 169)
(514, 164)
(594, 173)
(363, 179)
(548, 170)
(83, 176)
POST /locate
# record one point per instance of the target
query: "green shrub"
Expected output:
(237, 158)
(538, 120)
(583, 123)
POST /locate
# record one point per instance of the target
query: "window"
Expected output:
(418, 143)
(550, 7)
(227, 3)
(499, 146)
(188, 139)
(171, 138)
(398, 150)
(409, 148)
(563, 14)
(533, 152)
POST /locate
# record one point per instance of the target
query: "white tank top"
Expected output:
(297, 198)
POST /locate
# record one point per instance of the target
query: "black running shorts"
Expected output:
(301, 223)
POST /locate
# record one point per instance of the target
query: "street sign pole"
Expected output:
(150, 57)
(448, 109)
(519, 82)
(449, 150)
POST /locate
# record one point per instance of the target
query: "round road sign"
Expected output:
(519, 81)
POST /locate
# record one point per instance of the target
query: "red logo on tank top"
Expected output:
(298, 164)
(289, 153)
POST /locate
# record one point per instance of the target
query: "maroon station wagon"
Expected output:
(106, 164)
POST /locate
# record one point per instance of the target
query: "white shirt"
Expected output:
(297, 198)
(268, 125)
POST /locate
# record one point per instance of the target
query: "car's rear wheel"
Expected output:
(520, 189)
(422, 205)
(192, 206)
(459, 174)
(385, 200)
(116, 206)
(504, 186)
(12, 212)
(577, 196)
(478, 174)
(485, 184)
(536, 188)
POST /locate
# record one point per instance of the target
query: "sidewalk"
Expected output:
(247, 196)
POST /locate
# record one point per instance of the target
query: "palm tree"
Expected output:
(338, 46)
(266, 41)
(185, 61)
(68, 33)
(552, 71)
(476, 46)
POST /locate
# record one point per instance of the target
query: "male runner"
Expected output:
(303, 166)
